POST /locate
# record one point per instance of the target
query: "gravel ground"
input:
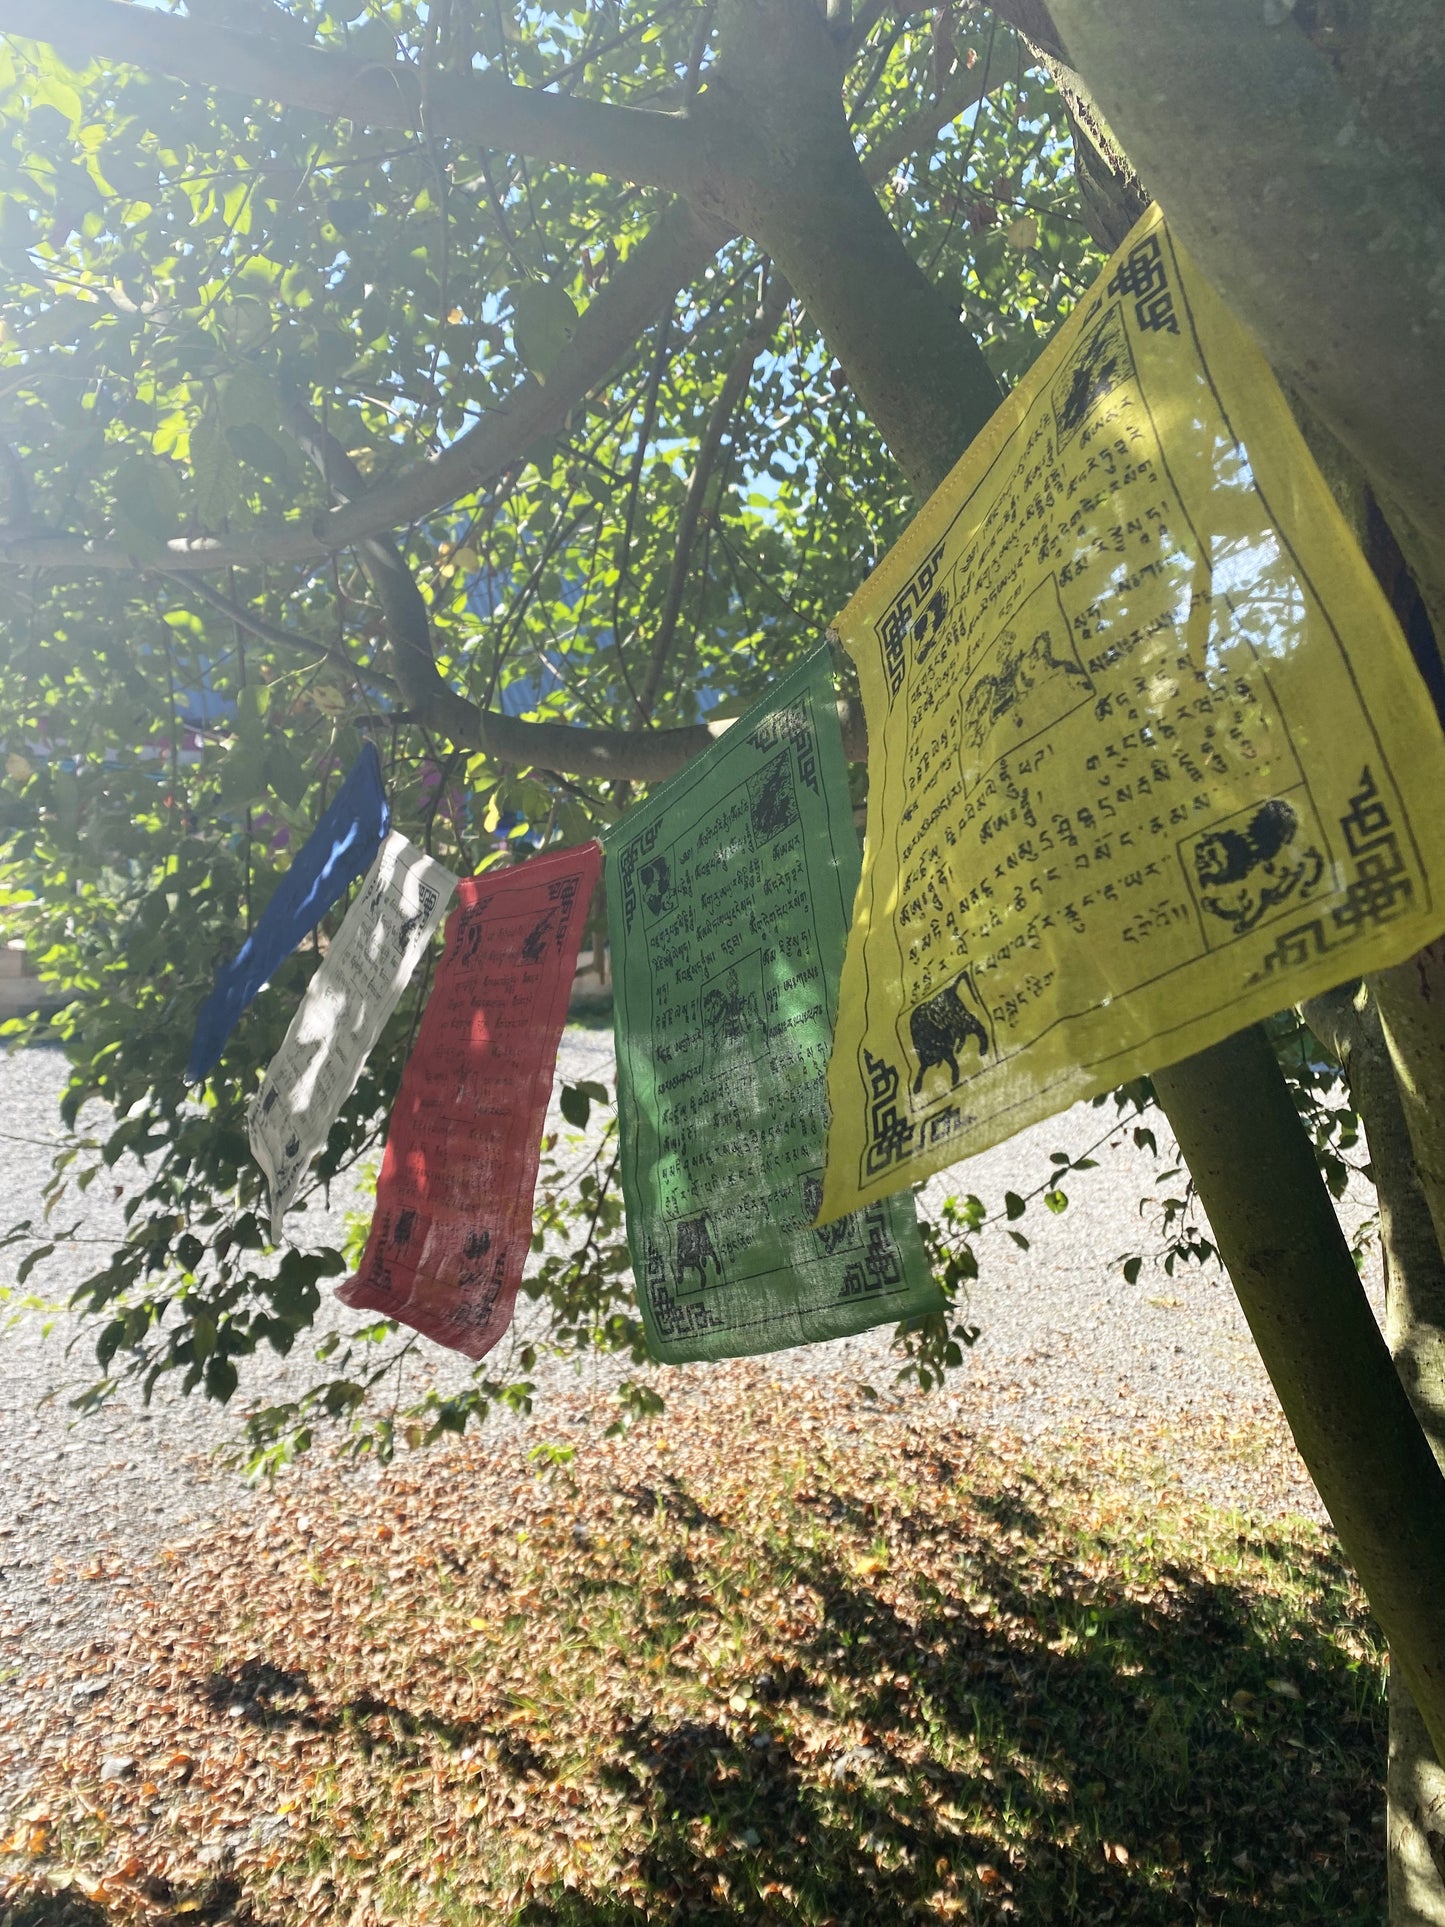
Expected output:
(86, 1504)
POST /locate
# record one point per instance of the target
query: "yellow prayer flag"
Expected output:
(1148, 755)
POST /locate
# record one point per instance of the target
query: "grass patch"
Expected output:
(774, 1660)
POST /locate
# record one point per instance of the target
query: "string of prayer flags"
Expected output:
(367, 966)
(1148, 755)
(337, 852)
(728, 892)
(453, 1219)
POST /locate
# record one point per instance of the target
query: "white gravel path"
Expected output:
(84, 1502)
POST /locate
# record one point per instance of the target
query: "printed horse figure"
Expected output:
(941, 1028)
(695, 1250)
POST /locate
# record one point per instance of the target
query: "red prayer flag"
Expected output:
(453, 1220)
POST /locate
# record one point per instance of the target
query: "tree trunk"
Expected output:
(1348, 1022)
(1411, 1000)
(1415, 1812)
(1256, 145)
(1277, 1232)
(1406, 1138)
(1231, 1112)
(786, 173)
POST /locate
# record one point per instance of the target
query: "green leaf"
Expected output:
(286, 774)
(220, 1378)
(247, 320)
(148, 495)
(216, 471)
(294, 1292)
(109, 1341)
(67, 319)
(53, 91)
(243, 775)
(248, 399)
(119, 174)
(544, 320)
(257, 449)
(17, 229)
(30, 1261)
(576, 1105)
(1013, 1204)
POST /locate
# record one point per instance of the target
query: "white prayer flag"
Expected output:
(343, 1013)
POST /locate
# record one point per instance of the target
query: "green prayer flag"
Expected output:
(729, 892)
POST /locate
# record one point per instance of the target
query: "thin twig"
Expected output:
(272, 632)
(760, 331)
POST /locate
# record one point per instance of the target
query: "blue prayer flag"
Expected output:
(337, 852)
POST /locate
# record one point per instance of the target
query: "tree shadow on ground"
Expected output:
(217, 1899)
(1061, 1753)
(862, 1703)
(260, 1694)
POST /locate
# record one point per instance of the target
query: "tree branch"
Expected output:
(619, 755)
(791, 180)
(568, 749)
(636, 144)
(403, 608)
(920, 130)
(1316, 234)
(865, 19)
(759, 333)
(920, 377)
(272, 632)
(1235, 1121)
(1032, 19)
(1112, 195)
(673, 253)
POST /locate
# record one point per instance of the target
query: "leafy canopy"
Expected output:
(221, 319)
